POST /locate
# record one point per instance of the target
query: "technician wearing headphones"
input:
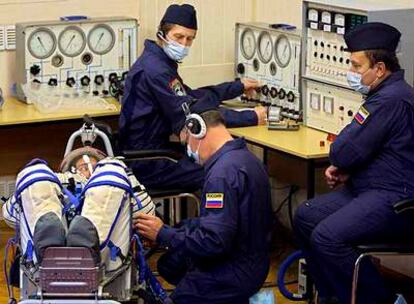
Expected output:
(154, 92)
(222, 256)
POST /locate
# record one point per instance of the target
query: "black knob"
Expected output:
(105, 92)
(96, 93)
(113, 77)
(282, 94)
(265, 90)
(273, 92)
(350, 113)
(341, 108)
(99, 79)
(290, 96)
(53, 82)
(35, 70)
(240, 68)
(85, 81)
(70, 82)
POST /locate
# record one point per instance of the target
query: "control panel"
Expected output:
(90, 55)
(329, 103)
(326, 58)
(271, 56)
(330, 108)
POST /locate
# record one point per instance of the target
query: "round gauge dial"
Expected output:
(72, 41)
(339, 20)
(313, 15)
(265, 47)
(248, 43)
(101, 39)
(283, 51)
(41, 43)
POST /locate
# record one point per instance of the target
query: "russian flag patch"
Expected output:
(214, 200)
(362, 115)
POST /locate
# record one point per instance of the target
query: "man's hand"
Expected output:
(261, 113)
(250, 86)
(334, 177)
(148, 225)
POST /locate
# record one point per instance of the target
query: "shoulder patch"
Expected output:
(362, 115)
(214, 200)
(177, 87)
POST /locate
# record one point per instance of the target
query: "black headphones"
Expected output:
(194, 123)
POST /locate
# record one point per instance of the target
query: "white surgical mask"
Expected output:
(355, 82)
(175, 51)
(194, 155)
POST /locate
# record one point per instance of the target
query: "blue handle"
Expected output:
(73, 18)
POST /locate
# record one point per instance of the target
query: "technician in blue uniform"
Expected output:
(151, 107)
(374, 157)
(222, 256)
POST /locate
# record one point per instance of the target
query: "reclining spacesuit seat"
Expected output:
(105, 204)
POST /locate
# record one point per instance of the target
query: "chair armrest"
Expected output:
(404, 205)
(401, 247)
(131, 155)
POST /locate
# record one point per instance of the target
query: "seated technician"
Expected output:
(154, 92)
(373, 157)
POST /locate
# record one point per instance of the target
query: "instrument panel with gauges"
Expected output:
(271, 56)
(329, 103)
(88, 55)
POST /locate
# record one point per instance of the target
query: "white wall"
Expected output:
(211, 57)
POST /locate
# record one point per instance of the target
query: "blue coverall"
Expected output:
(222, 256)
(151, 112)
(377, 150)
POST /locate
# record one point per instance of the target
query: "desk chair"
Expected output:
(172, 197)
(390, 249)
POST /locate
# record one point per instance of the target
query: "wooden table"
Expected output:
(304, 144)
(15, 112)
(26, 133)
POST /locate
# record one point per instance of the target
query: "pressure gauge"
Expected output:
(326, 17)
(41, 43)
(313, 15)
(72, 41)
(101, 39)
(248, 43)
(283, 51)
(339, 20)
(265, 47)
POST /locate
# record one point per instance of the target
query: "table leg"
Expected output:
(310, 179)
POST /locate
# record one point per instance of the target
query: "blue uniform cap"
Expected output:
(184, 15)
(372, 36)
